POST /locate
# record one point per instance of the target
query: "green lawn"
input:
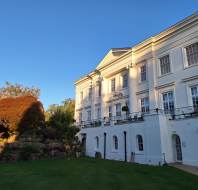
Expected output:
(90, 174)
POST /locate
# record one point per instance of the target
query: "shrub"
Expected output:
(22, 113)
(27, 151)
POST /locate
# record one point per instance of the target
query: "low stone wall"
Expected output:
(34, 149)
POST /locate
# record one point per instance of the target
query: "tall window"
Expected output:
(144, 104)
(140, 143)
(118, 109)
(125, 80)
(113, 85)
(143, 73)
(89, 115)
(80, 117)
(115, 142)
(168, 102)
(98, 113)
(192, 54)
(97, 142)
(81, 96)
(110, 111)
(194, 92)
(99, 89)
(165, 65)
(90, 94)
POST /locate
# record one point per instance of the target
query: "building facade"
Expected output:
(140, 104)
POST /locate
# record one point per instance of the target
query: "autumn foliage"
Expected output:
(22, 113)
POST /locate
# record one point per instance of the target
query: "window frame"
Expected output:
(141, 73)
(140, 144)
(194, 86)
(80, 116)
(88, 115)
(168, 101)
(118, 105)
(90, 93)
(113, 84)
(110, 111)
(160, 64)
(81, 97)
(98, 113)
(186, 54)
(145, 108)
(97, 143)
(115, 143)
(125, 83)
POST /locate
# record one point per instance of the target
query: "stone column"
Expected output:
(132, 89)
(152, 77)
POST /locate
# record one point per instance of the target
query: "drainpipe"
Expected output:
(105, 145)
(125, 147)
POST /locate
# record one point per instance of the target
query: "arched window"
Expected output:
(115, 142)
(140, 143)
(97, 142)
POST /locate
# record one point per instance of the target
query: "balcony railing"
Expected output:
(183, 113)
(178, 113)
(91, 123)
(115, 120)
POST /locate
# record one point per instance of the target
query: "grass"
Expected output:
(90, 174)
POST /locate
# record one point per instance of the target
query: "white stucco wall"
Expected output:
(187, 130)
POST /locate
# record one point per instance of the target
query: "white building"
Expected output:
(140, 104)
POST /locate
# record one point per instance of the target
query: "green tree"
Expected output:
(16, 90)
(61, 118)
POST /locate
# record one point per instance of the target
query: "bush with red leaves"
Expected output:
(22, 113)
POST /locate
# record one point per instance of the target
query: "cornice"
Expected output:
(165, 85)
(167, 33)
(190, 78)
(173, 30)
(142, 92)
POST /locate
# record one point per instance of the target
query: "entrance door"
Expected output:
(178, 149)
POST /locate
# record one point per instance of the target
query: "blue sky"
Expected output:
(51, 43)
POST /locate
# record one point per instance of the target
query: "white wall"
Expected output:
(149, 129)
(187, 129)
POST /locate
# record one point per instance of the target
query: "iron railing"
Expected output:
(175, 114)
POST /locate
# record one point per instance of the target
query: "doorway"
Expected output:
(177, 148)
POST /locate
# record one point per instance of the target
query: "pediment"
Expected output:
(114, 53)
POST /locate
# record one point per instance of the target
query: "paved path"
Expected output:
(186, 168)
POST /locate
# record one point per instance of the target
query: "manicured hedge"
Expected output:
(22, 112)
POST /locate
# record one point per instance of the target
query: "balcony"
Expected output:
(183, 113)
(176, 114)
(114, 120)
(89, 124)
(123, 93)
